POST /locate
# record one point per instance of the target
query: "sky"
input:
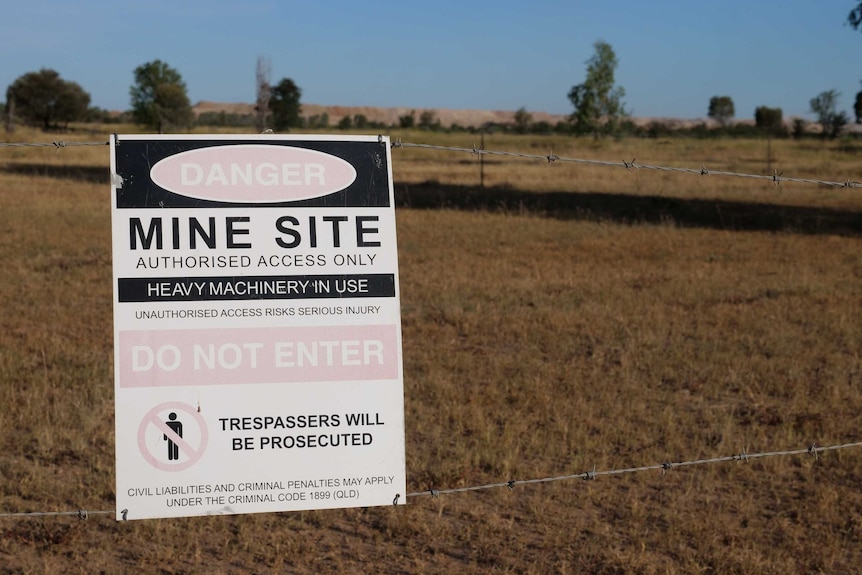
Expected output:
(673, 55)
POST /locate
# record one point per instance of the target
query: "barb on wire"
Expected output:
(775, 177)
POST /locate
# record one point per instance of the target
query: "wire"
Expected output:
(742, 457)
(776, 178)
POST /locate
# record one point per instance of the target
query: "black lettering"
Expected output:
(336, 228)
(281, 224)
(232, 243)
(136, 230)
(361, 230)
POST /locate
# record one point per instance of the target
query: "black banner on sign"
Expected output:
(255, 288)
(136, 158)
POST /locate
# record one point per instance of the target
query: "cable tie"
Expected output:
(511, 484)
(665, 467)
(813, 451)
(82, 514)
(590, 475)
(125, 514)
(395, 501)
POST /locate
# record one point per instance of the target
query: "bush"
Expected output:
(770, 120)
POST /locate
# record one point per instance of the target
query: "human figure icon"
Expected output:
(177, 426)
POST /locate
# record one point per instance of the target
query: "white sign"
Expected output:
(257, 327)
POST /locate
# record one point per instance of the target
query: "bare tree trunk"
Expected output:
(263, 92)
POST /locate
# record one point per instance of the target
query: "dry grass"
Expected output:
(563, 318)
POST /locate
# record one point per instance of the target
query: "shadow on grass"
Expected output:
(634, 209)
(88, 174)
(592, 206)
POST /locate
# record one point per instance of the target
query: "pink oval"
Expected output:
(253, 173)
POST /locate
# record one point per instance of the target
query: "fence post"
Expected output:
(10, 116)
(482, 161)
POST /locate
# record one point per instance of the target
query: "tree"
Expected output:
(770, 120)
(523, 120)
(44, 98)
(285, 105)
(855, 16)
(360, 121)
(597, 102)
(428, 120)
(825, 105)
(407, 121)
(721, 109)
(159, 98)
(800, 128)
(318, 121)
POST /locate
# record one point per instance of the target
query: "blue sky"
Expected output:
(469, 54)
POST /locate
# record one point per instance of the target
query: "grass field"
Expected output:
(560, 319)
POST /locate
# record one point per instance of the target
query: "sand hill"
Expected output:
(388, 116)
(475, 118)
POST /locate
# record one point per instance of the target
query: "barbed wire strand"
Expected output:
(56, 144)
(742, 457)
(813, 450)
(775, 178)
(80, 514)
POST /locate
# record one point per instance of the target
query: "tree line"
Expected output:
(599, 109)
(159, 101)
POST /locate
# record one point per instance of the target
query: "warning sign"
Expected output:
(256, 325)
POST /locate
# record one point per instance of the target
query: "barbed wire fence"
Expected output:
(743, 457)
(776, 177)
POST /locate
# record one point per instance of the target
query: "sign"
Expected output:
(257, 326)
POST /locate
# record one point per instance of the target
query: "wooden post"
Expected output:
(10, 116)
(482, 162)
